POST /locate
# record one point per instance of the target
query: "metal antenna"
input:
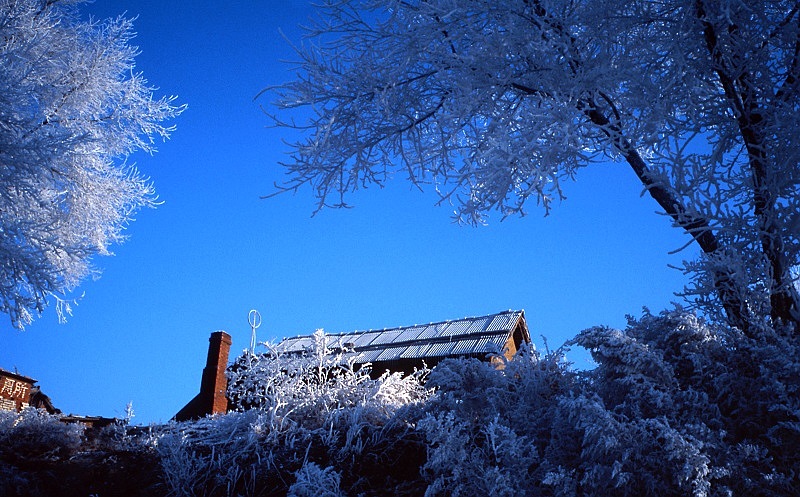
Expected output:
(254, 318)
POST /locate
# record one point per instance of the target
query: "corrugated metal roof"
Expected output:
(296, 344)
(415, 351)
(364, 339)
(387, 336)
(437, 330)
(442, 349)
(467, 336)
(368, 356)
(389, 354)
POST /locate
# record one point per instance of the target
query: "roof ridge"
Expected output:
(447, 321)
(18, 375)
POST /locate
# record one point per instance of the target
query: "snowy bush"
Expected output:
(294, 415)
(313, 481)
(35, 434)
(212, 456)
(692, 407)
(487, 429)
(31, 439)
(320, 390)
(675, 406)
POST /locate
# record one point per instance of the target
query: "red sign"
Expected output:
(14, 393)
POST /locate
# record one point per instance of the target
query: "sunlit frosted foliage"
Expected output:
(303, 422)
(488, 431)
(34, 432)
(317, 383)
(496, 102)
(72, 109)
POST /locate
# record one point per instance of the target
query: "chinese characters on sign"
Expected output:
(14, 388)
(14, 393)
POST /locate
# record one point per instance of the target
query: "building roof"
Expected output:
(459, 337)
(17, 376)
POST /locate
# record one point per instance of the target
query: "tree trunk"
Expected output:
(743, 98)
(736, 311)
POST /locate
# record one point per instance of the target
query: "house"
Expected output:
(18, 392)
(41, 401)
(400, 349)
(412, 347)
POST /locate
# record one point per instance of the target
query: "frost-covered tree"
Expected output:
(497, 102)
(72, 110)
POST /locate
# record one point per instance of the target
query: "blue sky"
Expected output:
(214, 249)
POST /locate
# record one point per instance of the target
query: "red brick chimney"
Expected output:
(214, 385)
(212, 398)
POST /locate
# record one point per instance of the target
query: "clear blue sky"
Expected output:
(214, 249)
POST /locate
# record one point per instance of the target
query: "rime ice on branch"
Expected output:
(72, 110)
(497, 102)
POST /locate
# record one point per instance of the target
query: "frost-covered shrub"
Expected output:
(41, 456)
(314, 383)
(487, 428)
(320, 390)
(488, 461)
(28, 440)
(33, 434)
(313, 481)
(296, 414)
(694, 407)
(220, 455)
(674, 407)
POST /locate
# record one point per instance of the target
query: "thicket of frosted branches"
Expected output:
(674, 407)
(301, 424)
